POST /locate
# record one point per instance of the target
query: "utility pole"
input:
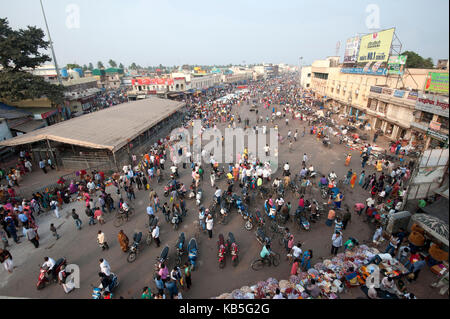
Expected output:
(51, 46)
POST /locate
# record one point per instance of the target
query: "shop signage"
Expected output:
(433, 104)
(435, 125)
(413, 95)
(438, 135)
(369, 71)
(396, 64)
(387, 91)
(376, 89)
(399, 93)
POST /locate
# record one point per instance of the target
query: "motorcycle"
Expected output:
(249, 222)
(99, 292)
(220, 173)
(223, 214)
(222, 250)
(326, 141)
(134, 249)
(261, 236)
(198, 197)
(170, 187)
(233, 248)
(163, 257)
(45, 277)
(176, 220)
(180, 248)
(303, 222)
(192, 252)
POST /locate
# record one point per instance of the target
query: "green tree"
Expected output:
(112, 63)
(121, 66)
(100, 65)
(91, 66)
(73, 66)
(415, 61)
(85, 67)
(133, 66)
(21, 50)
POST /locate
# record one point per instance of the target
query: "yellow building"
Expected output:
(384, 102)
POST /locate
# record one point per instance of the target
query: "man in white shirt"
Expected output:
(218, 194)
(336, 240)
(54, 204)
(28, 165)
(105, 267)
(102, 240)
(296, 251)
(49, 264)
(377, 234)
(155, 235)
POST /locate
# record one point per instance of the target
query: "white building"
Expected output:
(305, 77)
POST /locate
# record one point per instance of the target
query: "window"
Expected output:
(444, 122)
(426, 117)
(373, 104)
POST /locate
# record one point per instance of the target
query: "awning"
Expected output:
(49, 113)
(27, 126)
(433, 225)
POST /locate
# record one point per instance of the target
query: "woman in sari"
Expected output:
(123, 241)
(361, 178)
(353, 180)
(379, 165)
(347, 160)
(306, 260)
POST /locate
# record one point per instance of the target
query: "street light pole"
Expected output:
(51, 46)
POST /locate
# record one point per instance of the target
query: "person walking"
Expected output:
(123, 241)
(55, 206)
(159, 285)
(338, 225)
(331, 216)
(306, 260)
(101, 239)
(155, 235)
(54, 232)
(346, 218)
(209, 225)
(32, 237)
(353, 180)
(77, 219)
(212, 178)
(338, 200)
(348, 159)
(6, 260)
(336, 242)
(187, 275)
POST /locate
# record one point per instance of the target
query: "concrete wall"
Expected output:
(5, 133)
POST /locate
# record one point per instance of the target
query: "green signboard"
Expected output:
(437, 82)
(396, 64)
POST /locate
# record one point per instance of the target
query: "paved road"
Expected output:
(80, 247)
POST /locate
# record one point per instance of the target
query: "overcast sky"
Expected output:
(176, 32)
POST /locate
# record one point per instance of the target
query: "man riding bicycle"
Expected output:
(265, 252)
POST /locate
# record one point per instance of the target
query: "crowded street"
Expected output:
(268, 98)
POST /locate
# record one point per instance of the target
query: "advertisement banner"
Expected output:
(432, 103)
(399, 93)
(351, 50)
(437, 82)
(361, 71)
(386, 91)
(375, 47)
(376, 66)
(438, 135)
(435, 125)
(413, 95)
(376, 89)
(396, 64)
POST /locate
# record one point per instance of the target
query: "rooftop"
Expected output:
(110, 128)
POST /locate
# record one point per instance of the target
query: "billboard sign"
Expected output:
(351, 50)
(399, 93)
(375, 47)
(437, 82)
(432, 103)
(413, 95)
(369, 71)
(396, 64)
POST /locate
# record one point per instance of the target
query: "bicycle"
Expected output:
(274, 258)
(121, 218)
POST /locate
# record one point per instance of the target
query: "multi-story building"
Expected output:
(108, 79)
(305, 77)
(384, 102)
(430, 122)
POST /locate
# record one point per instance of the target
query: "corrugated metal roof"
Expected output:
(110, 128)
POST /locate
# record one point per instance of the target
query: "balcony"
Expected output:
(388, 95)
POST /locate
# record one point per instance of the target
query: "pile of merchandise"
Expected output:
(329, 276)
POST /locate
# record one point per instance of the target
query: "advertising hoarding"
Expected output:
(361, 71)
(396, 64)
(437, 82)
(351, 50)
(432, 103)
(375, 47)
